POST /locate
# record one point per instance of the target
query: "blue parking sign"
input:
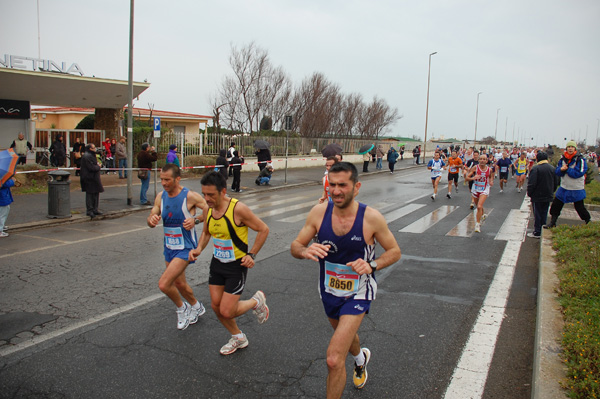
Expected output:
(156, 123)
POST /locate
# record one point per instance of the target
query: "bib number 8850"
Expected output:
(344, 285)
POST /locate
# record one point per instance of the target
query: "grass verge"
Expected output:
(592, 192)
(578, 256)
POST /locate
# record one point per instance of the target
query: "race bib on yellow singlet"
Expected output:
(223, 250)
(340, 280)
(174, 238)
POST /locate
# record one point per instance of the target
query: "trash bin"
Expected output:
(59, 195)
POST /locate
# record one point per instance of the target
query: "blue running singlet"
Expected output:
(336, 278)
(174, 211)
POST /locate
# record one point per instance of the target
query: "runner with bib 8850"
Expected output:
(346, 232)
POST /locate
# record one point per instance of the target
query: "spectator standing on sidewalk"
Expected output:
(21, 147)
(263, 157)
(122, 155)
(417, 153)
(571, 169)
(6, 199)
(90, 180)
(402, 153)
(236, 165)
(380, 153)
(172, 155)
(78, 150)
(145, 158)
(110, 156)
(58, 152)
(366, 160)
(540, 188)
(223, 162)
(230, 151)
(392, 157)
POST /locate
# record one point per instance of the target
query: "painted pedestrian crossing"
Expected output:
(295, 209)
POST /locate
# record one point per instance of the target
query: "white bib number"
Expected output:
(340, 280)
(223, 250)
(174, 238)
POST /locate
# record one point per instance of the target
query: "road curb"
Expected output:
(548, 367)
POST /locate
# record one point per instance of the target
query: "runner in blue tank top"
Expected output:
(346, 231)
(177, 206)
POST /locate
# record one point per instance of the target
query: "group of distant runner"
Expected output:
(480, 170)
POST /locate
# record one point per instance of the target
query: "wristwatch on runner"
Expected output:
(250, 254)
(373, 265)
(196, 221)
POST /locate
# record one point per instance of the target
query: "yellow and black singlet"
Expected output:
(230, 240)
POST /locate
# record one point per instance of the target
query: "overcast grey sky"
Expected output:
(538, 61)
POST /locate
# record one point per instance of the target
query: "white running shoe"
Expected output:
(3, 234)
(261, 310)
(483, 217)
(183, 317)
(477, 228)
(234, 344)
(195, 313)
(501, 190)
(456, 189)
(433, 197)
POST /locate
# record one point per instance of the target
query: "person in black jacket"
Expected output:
(58, 151)
(90, 180)
(222, 160)
(237, 162)
(263, 157)
(541, 185)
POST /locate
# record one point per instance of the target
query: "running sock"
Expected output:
(360, 358)
(238, 336)
(196, 305)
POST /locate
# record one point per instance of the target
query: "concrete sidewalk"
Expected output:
(30, 211)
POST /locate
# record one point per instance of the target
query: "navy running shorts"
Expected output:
(335, 306)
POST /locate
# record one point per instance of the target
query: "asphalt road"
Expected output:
(81, 313)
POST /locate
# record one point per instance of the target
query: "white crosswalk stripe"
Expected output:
(429, 220)
(466, 227)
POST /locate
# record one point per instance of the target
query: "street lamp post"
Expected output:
(427, 108)
(476, 114)
(496, 129)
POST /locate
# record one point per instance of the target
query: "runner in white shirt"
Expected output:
(436, 166)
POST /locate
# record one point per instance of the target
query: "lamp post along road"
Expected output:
(427, 108)
(130, 111)
(496, 129)
(476, 114)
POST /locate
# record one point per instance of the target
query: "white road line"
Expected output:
(470, 374)
(400, 212)
(466, 227)
(283, 201)
(38, 339)
(294, 219)
(429, 220)
(71, 242)
(279, 211)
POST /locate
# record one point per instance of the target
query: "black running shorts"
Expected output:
(232, 275)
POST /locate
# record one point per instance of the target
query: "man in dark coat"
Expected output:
(90, 180)
(540, 188)
(263, 156)
(145, 158)
(58, 151)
